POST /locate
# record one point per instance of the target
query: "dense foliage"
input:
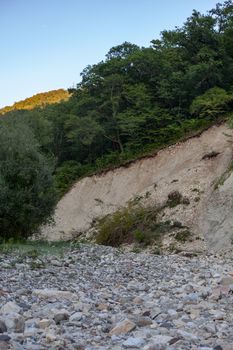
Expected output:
(27, 194)
(41, 99)
(138, 99)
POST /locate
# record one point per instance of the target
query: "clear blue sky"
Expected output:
(45, 44)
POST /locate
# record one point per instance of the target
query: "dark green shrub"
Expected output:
(132, 224)
(177, 224)
(183, 236)
(66, 174)
(139, 236)
(174, 199)
(27, 195)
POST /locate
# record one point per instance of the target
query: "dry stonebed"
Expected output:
(97, 297)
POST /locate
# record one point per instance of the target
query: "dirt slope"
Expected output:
(216, 219)
(180, 167)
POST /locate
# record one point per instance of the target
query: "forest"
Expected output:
(134, 102)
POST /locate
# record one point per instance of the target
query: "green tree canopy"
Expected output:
(27, 195)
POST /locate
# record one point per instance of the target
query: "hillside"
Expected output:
(38, 100)
(192, 168)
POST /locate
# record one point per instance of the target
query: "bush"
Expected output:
(174, 199)
(214, 103)
(183, 236)
(133, 224)
(69, 172)
(27, 195)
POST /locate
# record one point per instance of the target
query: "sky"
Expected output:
(45, 44)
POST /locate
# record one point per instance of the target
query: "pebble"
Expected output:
(102, 298)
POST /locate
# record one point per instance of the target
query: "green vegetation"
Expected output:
(34, 249)
(38, 100)
(183, 236)
(27, 194)
(133, 224)
(136, 101)
(224, 176)
(175, 198)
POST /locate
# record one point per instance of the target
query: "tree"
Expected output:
(122, 51)
(212, 104)
(27, 195)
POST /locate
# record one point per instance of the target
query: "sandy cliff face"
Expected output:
(177, 168)
(216, 218)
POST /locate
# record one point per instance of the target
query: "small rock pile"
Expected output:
(102, 298)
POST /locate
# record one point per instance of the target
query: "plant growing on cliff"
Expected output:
(133, 224)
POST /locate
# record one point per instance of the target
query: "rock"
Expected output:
(62, 315)
(77, 316)
(174, 340)
(2, 327)
(192, 297)
(14, 323)
(79, 346)
(137, 301)
(4, 338)
(160, 342)
(143, 321)
(135, 343)
(53, 293)
(4, 345)
(218, 315)
(172, 314)
(226, 281)
(50, 337)
(9, 308)
(187, 335)
(216, 294)
(123, 327)
(44, 323)
(102, 307)
(194, 313)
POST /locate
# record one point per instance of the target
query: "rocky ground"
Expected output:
(101, 298)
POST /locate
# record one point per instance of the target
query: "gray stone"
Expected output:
(226, 281)
(9, 308)
(4, 338)
(62, 315)
(77, 316)
(159, 342)
(135, 343)
(54, 293)
(2, 327)
(15, 323)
